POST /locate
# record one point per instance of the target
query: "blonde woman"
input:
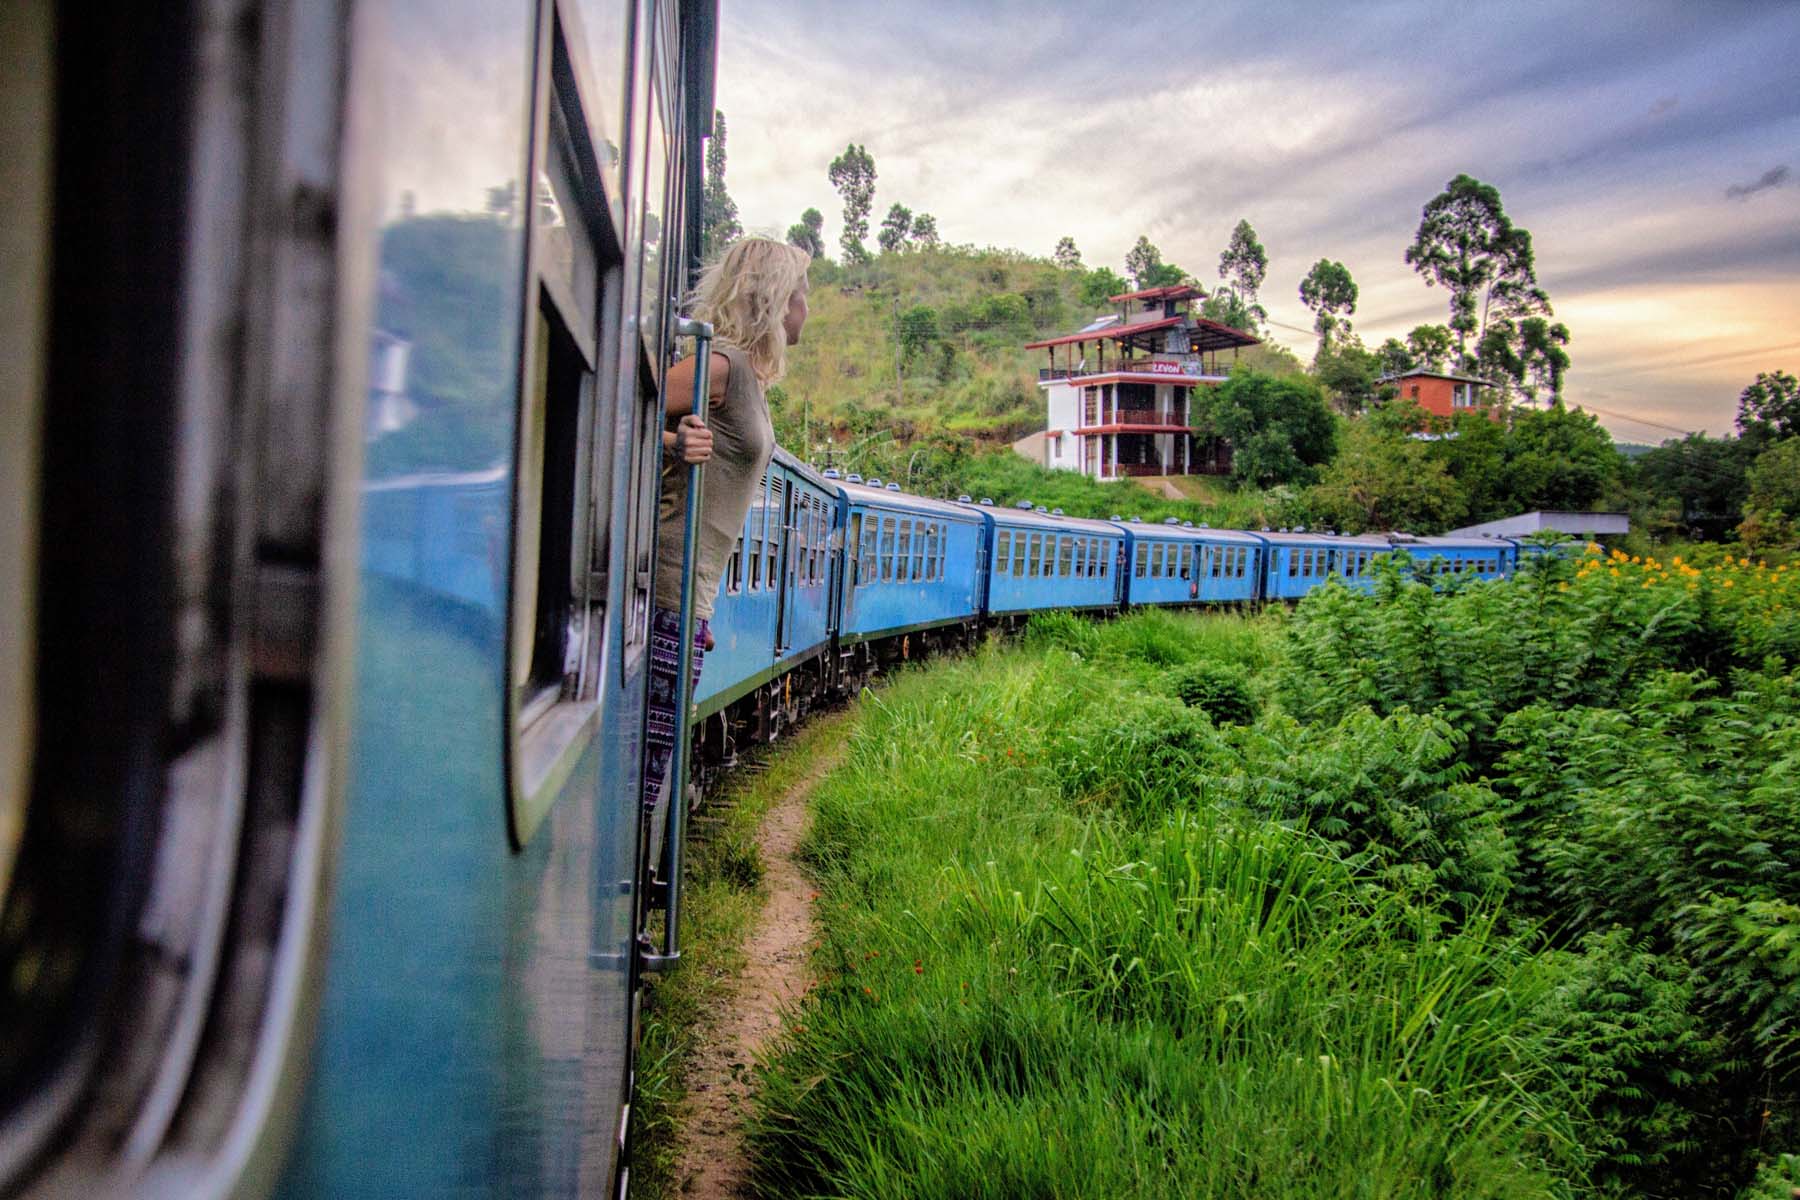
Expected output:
(755, 299)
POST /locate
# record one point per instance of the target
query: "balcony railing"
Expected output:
(1047, 374)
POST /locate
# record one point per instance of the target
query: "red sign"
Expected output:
(1157, 366)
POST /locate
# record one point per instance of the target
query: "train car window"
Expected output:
(1065, 557)
(1002, 551)
(1143, 559)
(733, 565)
(1081, 557)
(1033, 555)
(772, 540)
(903, 552)
(871, 530)
(937, 548)
(918, 566)
(943, 539)
(1021, 549)
(887, 549)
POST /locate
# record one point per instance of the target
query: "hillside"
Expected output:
(930, 342)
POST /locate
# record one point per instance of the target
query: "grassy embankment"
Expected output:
(1369, 928)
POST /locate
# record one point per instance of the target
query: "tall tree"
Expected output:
(719, 226)
(1243, 265)
(1330, 293)
(1769, 409)
(1467, 244)
(924, 231)
(1383, 478)
(852, 173)
(1099, 284)
(896, 227)
(1067, 256)
(809, 233)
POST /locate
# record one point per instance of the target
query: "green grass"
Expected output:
(1054, 967)
(721, 898)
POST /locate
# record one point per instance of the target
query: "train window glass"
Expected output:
(733, 565)
(1002, 551)
(1081, 557)
(943, 548)
(1293, 562)
(1065, 557)
(918, 564)
(1143, 559)
(1187, 562)
(871, 531)
(853, 548)
(1020, 548)
(903, 552)
(1034, 549)
(937, 551)
(772, 539)
(655, 177)
(887, 549)
(756, 558)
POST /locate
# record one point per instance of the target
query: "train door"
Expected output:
(784, 585)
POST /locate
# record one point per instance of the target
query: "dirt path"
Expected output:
(713, 1165)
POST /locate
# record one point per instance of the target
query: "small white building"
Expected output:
(1580, 524)
(1131, 412)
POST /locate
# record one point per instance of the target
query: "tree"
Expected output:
(1144, 263)
(719, 226)
(809, 234)
(1475, 457)
(1351, 374)
(924, 231)
(1772, 509)
(852, 174)
(896, 227)
(1695, 485)
(1559, 458)
(1067, 256)
(918, 330)
(1098, 285)
(1243, 265)
(1394, 357)
(1384, 479)
(1467, 244)
(1430, 346)
(1330, 293)
(1225, 307)
(1769, 409)
(1278, 426)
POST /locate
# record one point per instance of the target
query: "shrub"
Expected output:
(1221, 692)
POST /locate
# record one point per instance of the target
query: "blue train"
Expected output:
(328, 498)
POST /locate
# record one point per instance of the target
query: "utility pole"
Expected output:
(899, 380)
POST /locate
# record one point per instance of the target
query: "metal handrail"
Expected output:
(676, 816)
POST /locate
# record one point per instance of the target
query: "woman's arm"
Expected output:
(690, 439)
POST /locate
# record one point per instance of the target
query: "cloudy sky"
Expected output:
(1652, 149)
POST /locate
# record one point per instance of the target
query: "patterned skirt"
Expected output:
(665, 662)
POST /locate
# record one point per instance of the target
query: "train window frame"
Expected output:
(921, 536)
(1021, 543)
(1142, 566)
(1002, 551)
(562, 491)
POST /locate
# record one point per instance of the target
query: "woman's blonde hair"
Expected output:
(744, 296)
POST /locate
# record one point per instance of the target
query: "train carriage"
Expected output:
(910, 564)
(1174, 564)
(1299, 561)
(1046, 560)
(1458, 557)
(774, 611)
(1353, 555)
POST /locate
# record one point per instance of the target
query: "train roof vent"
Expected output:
(1187, 524)
(853, 477)
(1204, 525)
(1171, 520)
(833, 473)
(1283, 529)
(1115, 517)
(1266, 529)
(1041, 509)
(1137, 520)
(963, 499)
(893, 487)
(1056, 512)
(1299, 529)
(875, 481)
(1024, 504)
(988, 500)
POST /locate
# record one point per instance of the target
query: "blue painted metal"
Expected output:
(915, 562)
(1176, 564)
(1042, 561)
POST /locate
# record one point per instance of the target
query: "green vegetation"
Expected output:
(1481, 891)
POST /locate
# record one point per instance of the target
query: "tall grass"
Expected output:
(1029, 987)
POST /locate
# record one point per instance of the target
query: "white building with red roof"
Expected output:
(1119, 396)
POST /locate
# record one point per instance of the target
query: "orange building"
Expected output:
(1442, 395)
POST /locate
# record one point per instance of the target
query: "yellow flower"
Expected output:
(1727, 583)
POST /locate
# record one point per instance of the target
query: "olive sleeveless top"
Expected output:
(743, 444)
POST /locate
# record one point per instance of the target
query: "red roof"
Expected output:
(1178, 291)
(1208, 335)
(1100, 377)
